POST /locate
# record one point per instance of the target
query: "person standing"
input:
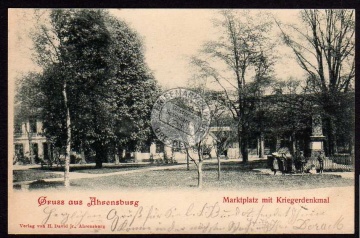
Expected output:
(321, 159)
(302, 161)
(284, 162)
(275, 164)
(289, 163)
(226, 154)
(297, 161)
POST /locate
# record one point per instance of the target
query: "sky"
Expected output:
(170, 36)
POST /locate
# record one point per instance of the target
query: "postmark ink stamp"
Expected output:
(180, 118)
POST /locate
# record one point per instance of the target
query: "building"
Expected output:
(29, 140)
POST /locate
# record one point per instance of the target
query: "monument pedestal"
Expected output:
(317, 138)
(316, 145)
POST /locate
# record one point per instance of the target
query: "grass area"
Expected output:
(41, 184)
(107, 168)
(236, 165)
(29, 175)
(235, 176)
(117, 168)
(239, 180)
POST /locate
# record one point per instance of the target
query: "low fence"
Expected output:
(334, 162)
(330, 163)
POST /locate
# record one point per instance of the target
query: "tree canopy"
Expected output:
(108, 85)
(325, 48)
(240, 62)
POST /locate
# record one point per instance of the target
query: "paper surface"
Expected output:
(199, 212)
(188, 210)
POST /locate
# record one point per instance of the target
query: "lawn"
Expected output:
(30, 175)
(107, 168)
(235, 176)
(237, 180)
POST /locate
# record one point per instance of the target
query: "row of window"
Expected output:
(19, 149)
(32, 125)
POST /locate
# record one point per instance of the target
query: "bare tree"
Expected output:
(198, 159)
(233, 61)
(220, 142)
(325, 48)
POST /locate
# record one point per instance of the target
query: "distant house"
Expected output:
(29, 139)
(157, 148)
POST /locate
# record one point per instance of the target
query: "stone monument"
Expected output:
(317, 137)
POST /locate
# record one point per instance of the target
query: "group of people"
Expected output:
(283, 163)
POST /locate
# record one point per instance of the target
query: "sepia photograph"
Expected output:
(181, 121)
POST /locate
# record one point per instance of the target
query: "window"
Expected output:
(159, 147)
(32, 123)
(35, 149)
(19, 150)
(17, 129)
(145, 149)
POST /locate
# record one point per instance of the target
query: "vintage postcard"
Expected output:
(181, 121)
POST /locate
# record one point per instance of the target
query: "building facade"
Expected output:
(29, 140)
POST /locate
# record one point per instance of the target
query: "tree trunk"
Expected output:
(99, 156)
(240, 146)
(68, 141)
(331, 137)
(293, 144)
(82, 152)
(219, 166)
(117, 152)
(200, 174)
(261, 146)
(244, 145)
(351, 145)
(98, 163)
(244, 151)
(293, 147)
(199, 167)
(187, 162)
(31, 157)
(50, 154)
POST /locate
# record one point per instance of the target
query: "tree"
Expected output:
(132, 127)
(72, 34)
(217, 112)
(221, 144)
(219, 118)
(255, 93)
(243, 52)
(97, 63)
(130, 74)
(325, 48)
(288, 113)
(198, 159)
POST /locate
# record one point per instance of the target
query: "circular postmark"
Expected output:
(180, 118)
